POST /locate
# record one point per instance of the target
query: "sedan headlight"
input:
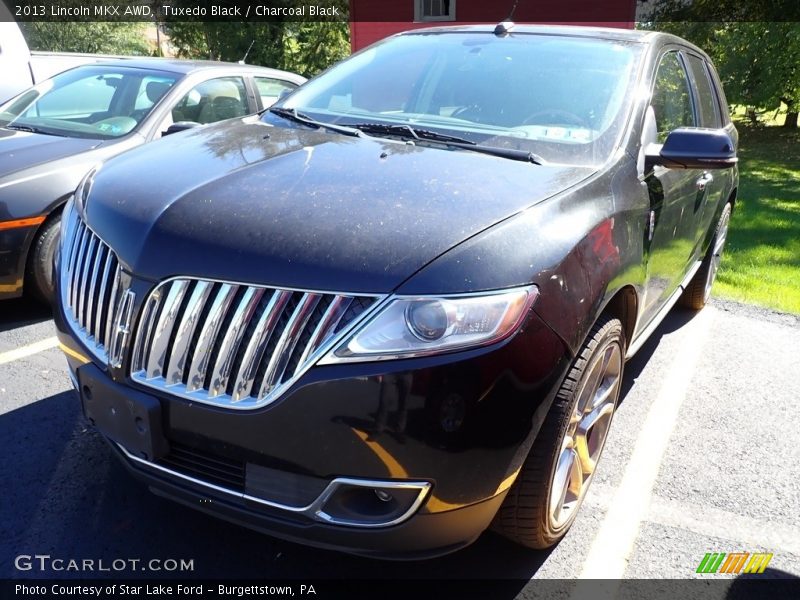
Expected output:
(420, 326)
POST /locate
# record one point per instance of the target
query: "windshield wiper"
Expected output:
(426, 135)
(412, 132)
(30, 129)
(293, 115)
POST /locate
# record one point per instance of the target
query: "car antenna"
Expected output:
(250, 47)
(504, 27)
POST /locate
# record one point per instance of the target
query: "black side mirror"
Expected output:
(690, 148)
(180, 126)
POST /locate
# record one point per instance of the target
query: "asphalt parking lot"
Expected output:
(703, 457)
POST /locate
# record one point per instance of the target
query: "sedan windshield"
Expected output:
(563, 98)
(88, 102)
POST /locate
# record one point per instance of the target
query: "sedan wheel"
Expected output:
(39, 275)
(553, 481)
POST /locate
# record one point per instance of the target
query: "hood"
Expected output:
(305, 209)
(21, 150)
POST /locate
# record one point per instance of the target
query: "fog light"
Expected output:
(362, 503)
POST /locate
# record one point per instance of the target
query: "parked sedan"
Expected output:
(395, 310)
(54, 133)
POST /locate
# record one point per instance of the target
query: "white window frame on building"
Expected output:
(434, 10)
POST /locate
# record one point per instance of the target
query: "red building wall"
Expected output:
(373, 20)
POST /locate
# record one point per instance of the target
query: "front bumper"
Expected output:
(461, 423)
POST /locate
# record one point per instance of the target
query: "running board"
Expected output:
(640, 339)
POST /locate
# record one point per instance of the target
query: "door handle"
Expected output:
(703, 181)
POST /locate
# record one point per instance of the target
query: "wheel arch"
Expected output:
(623, 305)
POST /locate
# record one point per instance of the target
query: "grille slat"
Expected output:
(208, 337)
(163, 331)
(84, 280)
(287, 342)
(186, 329)
(258, 344)
(233, 338)
(90, 270)
(325, 327)
(236, 345)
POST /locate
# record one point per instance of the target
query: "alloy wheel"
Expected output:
(585, 435)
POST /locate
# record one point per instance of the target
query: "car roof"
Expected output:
(184, 67)
(605, 33)
(612, 33)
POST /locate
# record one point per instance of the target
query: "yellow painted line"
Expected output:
(609, 554)
(73, 354)
(22, 222)
(29, 350)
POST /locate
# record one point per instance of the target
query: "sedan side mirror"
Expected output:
(180, 126)
(691, 148)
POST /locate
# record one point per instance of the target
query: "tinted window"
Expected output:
(706, 99)
(672, 101)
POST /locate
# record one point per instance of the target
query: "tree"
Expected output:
(92, 37)
(305, 47)
(758, 55)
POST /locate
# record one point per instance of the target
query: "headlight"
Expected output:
(419, 326)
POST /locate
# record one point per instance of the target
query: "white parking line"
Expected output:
(611, 549)
(29, 350)
(708, 521)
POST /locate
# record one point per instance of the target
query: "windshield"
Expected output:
(563, 98)
(88, 102)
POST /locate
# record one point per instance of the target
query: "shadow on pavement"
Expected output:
(67, 496)
(20, 312)
(675, 319)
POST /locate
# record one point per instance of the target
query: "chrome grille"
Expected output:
(235, 345)
(90, 283)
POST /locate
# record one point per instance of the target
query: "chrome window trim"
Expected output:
(313, 511)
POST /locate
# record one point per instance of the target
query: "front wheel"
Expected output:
(39, 274)
(697, 293)
(552, 483)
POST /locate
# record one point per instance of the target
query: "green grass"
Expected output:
(761, 264)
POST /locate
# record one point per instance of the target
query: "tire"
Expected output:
(697, 293)
(39, 273)
(528, 514)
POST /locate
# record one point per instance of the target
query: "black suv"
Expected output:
(395, 308)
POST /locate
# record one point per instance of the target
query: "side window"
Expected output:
(706, 98)
(270, 89)
(672, 101)
(213, 100)
(151, 90)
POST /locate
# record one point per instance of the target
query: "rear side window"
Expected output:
(707, 106)
(270, 89)
(672, 100)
